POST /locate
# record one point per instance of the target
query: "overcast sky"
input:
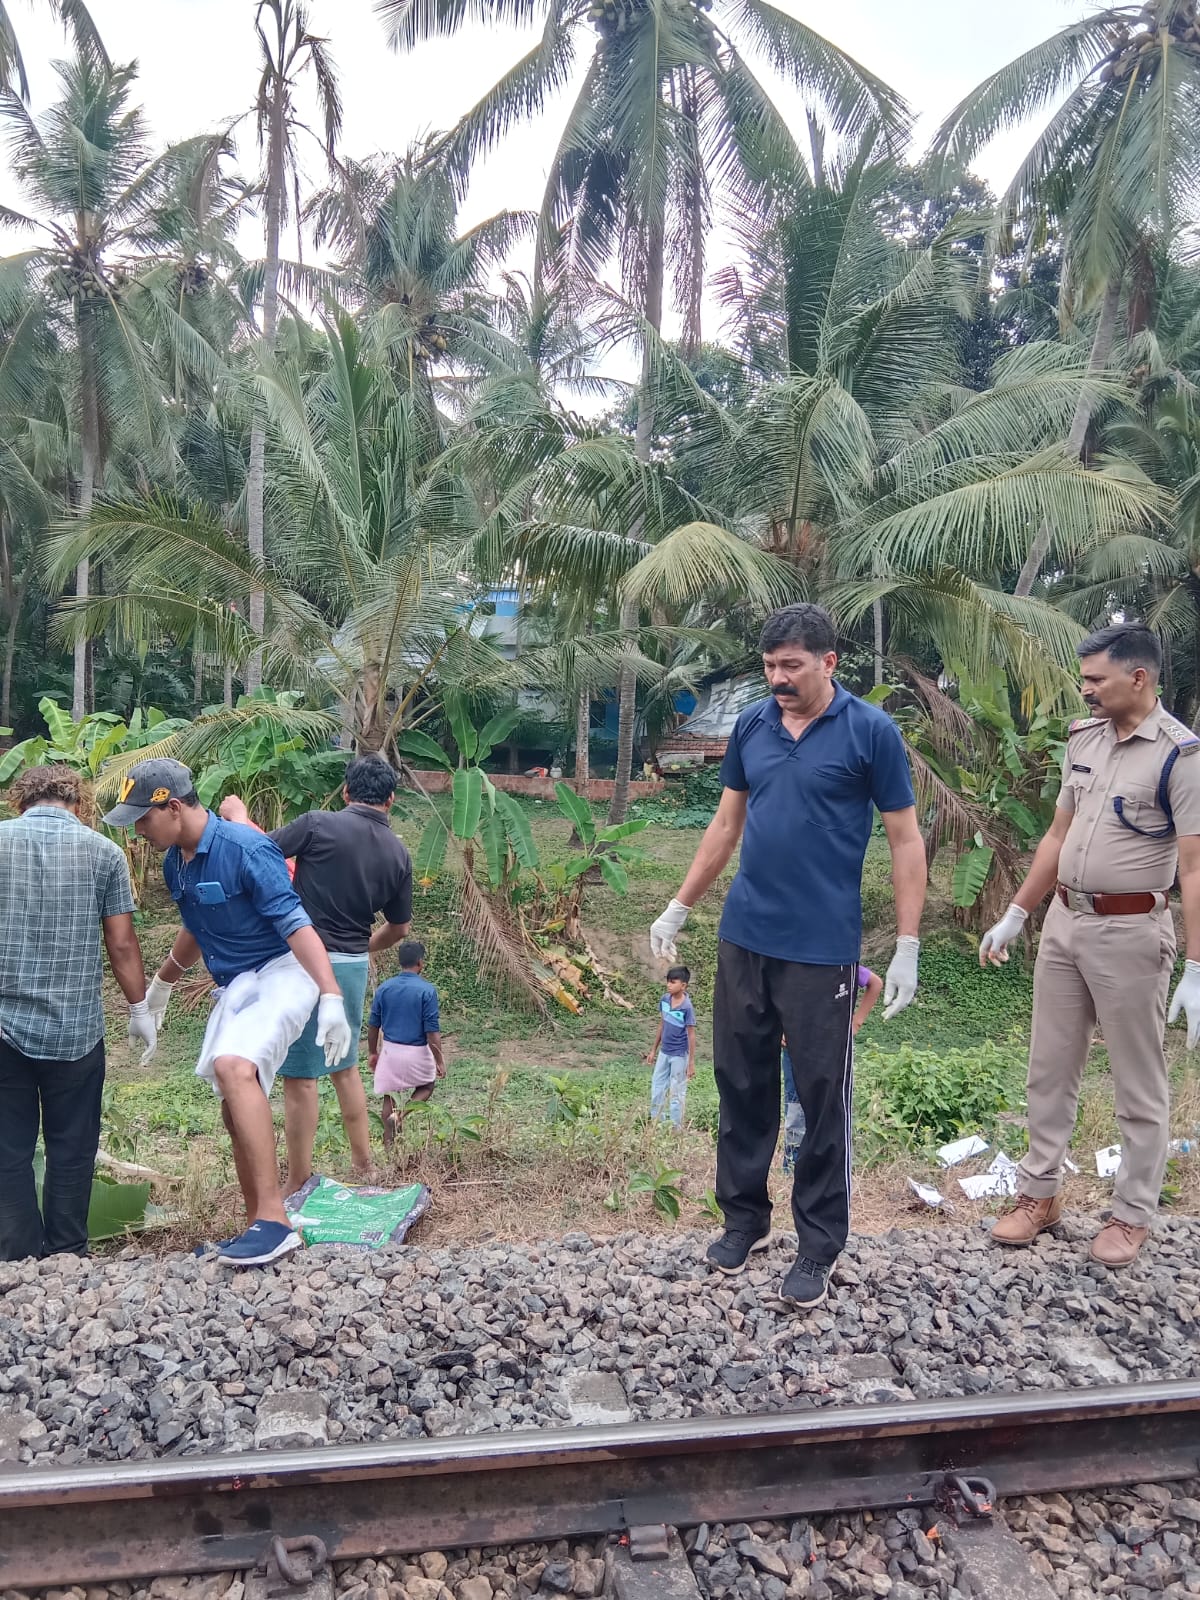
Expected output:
(198, 71)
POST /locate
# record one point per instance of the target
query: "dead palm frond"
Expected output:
(499, 945)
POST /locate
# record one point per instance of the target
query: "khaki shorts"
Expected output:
(259, 1016)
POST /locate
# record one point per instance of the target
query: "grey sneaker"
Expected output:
(730, 1252)
(806, 1284)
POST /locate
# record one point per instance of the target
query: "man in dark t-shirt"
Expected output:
(350, 866)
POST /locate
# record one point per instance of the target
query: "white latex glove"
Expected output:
(900, 983)
(1187, 998)
(333, 1029)
(143, 1028)
(663, 932)
(157, 996)
(994, 945)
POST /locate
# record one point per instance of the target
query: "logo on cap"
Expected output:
(126, 790)
(159, 796)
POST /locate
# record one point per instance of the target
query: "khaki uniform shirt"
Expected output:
(1100, 855)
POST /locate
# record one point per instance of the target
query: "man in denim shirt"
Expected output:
(240, 912)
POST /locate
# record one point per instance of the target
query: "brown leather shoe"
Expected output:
(1117, 1244)
(1025, 1219)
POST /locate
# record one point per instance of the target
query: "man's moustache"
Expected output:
(784, 688)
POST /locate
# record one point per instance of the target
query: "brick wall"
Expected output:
(541, 788)
(709, 748)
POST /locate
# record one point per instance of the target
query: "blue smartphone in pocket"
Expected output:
(210, 894)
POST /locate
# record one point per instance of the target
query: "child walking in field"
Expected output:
(404, 1037)
(674, 1054)
(871, 985)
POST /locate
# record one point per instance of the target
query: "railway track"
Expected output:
(204, 1514)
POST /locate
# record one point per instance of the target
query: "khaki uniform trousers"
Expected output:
(1115, 970)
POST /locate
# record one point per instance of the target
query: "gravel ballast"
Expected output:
(1140, 1543)
(825, 1559)
(136, 1356)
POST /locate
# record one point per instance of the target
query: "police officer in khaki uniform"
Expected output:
(1128, 816)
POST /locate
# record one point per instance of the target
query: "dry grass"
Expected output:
(528, 1205)
(882, 1199)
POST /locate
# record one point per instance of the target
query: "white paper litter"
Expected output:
(962, 1150)
(1181, 1147)
(1107, 1161)
(926, 1193)
(999, 1179)
(1069, 1164)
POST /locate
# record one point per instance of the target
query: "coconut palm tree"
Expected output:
(669, 120)
(35, 460)
(585, 528)
(190, 278)
(423, 286)
(88, 169)
(1155, 578)
(556, 341)
(288, 53)
(77, 23)
(368, 605)
(1116, 168)
(868, 465)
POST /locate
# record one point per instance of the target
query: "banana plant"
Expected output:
(480, 814)
(87, 744)
(482, 818)
(526, 903)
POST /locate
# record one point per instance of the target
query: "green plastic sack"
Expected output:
(325, 1212)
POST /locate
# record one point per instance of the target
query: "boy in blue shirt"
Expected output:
(404, 1037)
(674, 1054)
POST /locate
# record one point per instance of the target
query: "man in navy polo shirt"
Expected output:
(804, 771)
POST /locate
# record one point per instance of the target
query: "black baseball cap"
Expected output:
(149, 783)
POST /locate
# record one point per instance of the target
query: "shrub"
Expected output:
(933, 1096)
(663, 1188)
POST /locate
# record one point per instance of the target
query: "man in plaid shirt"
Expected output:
(61, 884)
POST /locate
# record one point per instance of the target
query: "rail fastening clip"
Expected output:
(969, 1494)
(292, 1563)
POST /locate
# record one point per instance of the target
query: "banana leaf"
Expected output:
(116, 1209)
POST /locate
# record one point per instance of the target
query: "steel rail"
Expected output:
(215, 1513)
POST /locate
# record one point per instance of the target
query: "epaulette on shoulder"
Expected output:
(1180, 735)
(1081, 723)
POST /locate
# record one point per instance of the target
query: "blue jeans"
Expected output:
(793, 1116)
(670, 1072)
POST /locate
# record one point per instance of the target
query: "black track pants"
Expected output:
(759, 999)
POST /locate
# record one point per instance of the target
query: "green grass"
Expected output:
(958, 1004)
